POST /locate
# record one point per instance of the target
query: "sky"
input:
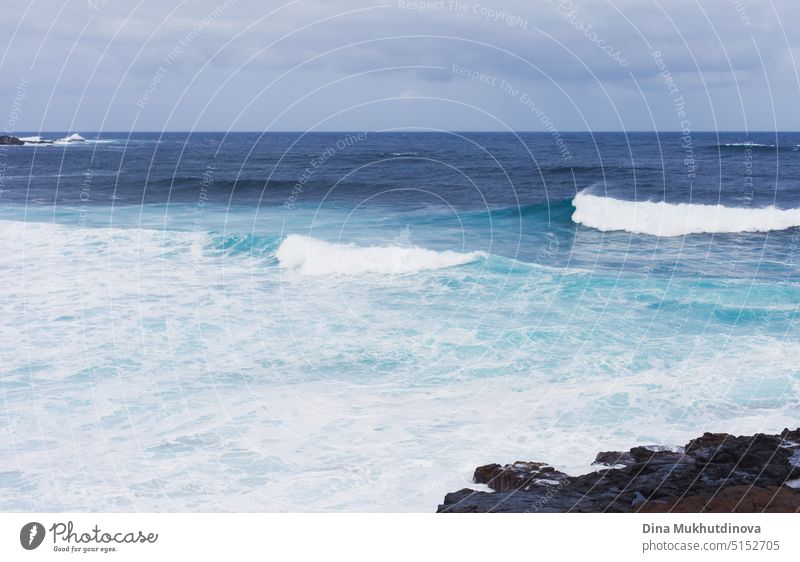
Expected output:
(248, 65)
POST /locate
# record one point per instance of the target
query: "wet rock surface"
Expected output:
(715, 472)
(12, 140)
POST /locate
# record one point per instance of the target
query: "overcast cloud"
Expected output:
(88, 65)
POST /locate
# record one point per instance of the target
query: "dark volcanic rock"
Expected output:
(791, 435)
(6, 139)
(518, 476)
(612, 458)
(714, 472)
(734, 499)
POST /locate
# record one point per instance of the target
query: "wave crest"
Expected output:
(69, 139)
(668, 219)
(746, 144)
(310, 256)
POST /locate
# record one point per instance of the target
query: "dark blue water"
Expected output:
(468, 171)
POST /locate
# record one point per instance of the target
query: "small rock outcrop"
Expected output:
(7, 139)
(715, 472)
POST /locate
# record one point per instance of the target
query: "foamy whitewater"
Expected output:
(669, 219)
(188, 328)
(316, 257)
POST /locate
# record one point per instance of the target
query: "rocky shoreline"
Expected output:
(27, 141)
(716, 472)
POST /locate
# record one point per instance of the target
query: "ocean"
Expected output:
(355, 321)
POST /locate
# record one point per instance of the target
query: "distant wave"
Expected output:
(751, 145)
(193, 183)
(668, 219)
(74, 137)
(310, 256)
(225, 185)
(569, 170)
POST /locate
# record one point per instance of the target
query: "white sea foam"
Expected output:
(749, 144)
(165, 368)
(310, 256)
(76, 139)
(73, 138)
(670, 219)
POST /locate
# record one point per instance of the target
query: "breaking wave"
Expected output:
(74, 137)
(310, 256)
(669, 219)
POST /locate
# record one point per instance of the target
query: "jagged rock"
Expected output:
(520, 475)
(7, 139)
(612, 458)
(791, 435)
(714, 470)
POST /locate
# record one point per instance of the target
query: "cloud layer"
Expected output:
(441, 64)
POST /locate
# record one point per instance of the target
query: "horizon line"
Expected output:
(390, 131)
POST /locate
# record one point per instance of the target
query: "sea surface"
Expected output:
(355, 321)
